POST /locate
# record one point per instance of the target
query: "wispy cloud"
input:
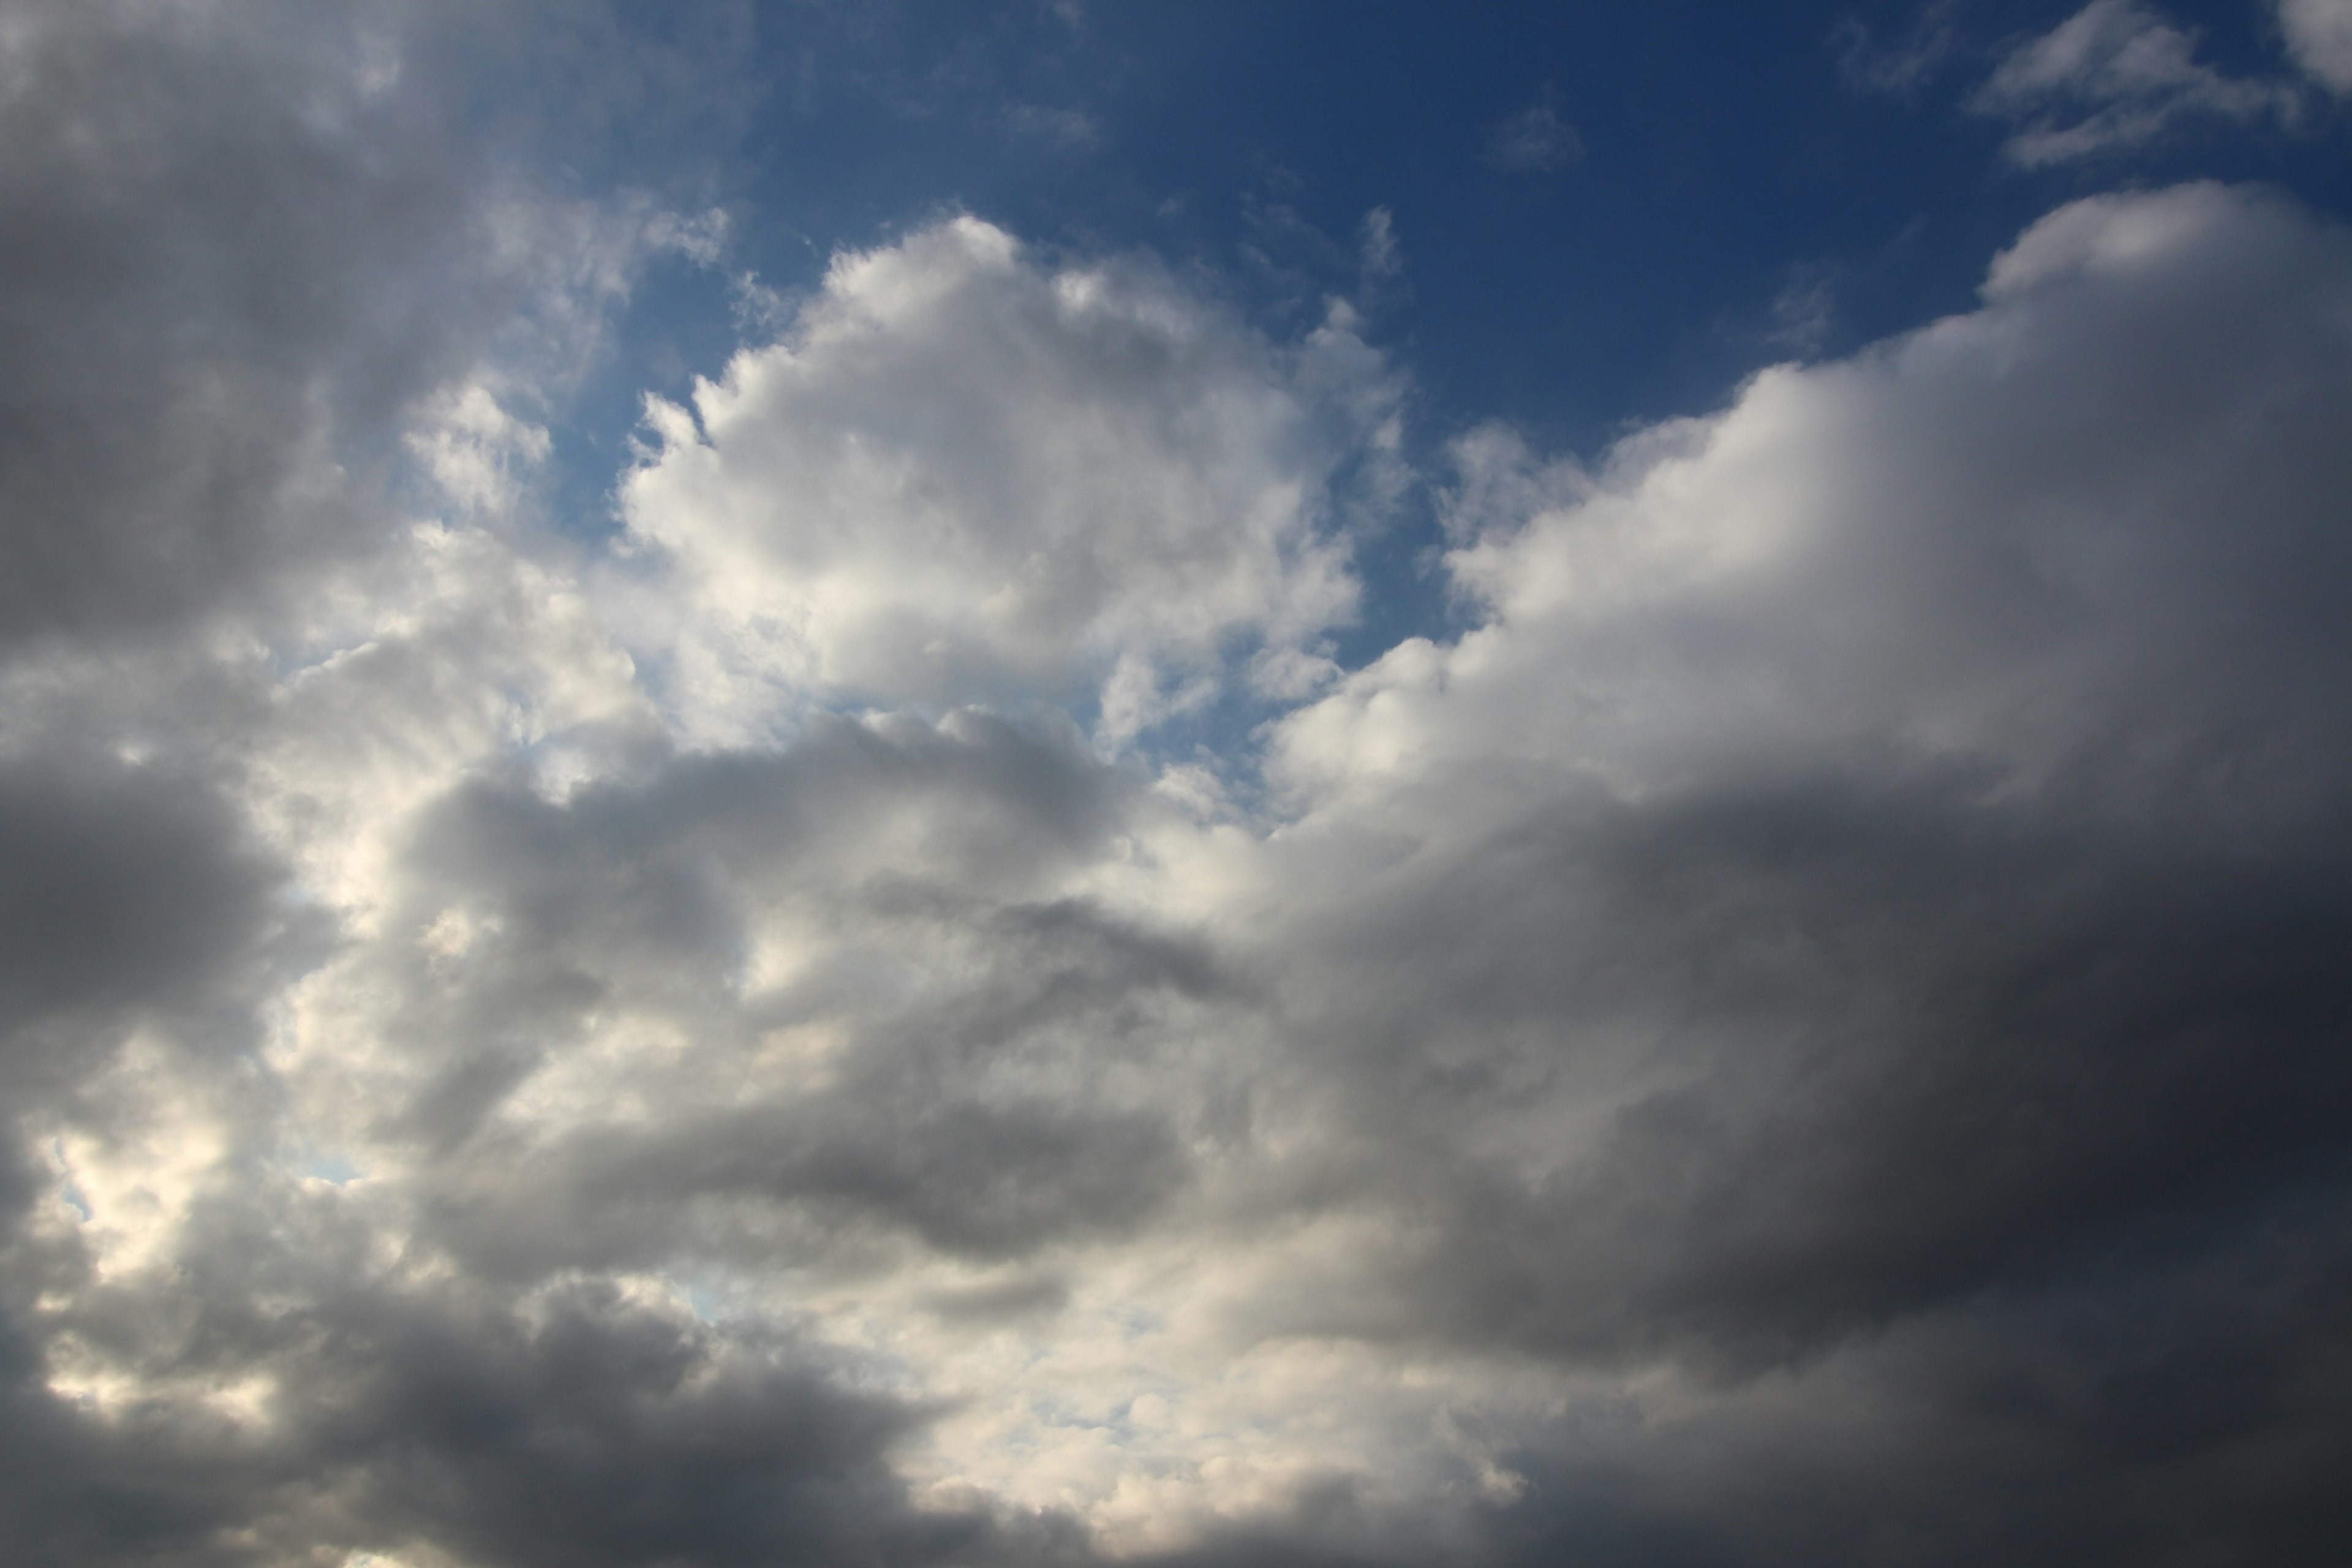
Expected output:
(2113, 76)
(1902, 65)
(1535, 139)
(1072, 128)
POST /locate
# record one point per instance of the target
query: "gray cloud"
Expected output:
(576, 1426)
(2319, 38)
(942, 1105)
(124, 889)
(1916, 935)
(243, 248)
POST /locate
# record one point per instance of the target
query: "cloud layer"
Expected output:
(1812, 1031)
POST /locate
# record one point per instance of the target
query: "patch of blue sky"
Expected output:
(334, 1169)
(69, 1191)
(1598, 216)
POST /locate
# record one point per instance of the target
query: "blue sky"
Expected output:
(1600, 216)
(1709, 160)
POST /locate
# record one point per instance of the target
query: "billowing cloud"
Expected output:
(1815, 913)
(1810, 1031)
(963, 474)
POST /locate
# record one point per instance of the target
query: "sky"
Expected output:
(904, 784)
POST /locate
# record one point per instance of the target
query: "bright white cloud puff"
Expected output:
(962, 475)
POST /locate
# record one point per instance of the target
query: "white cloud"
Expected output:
(964, 475)
(2114, 76)
(472, 447)
(1376, 243)
(1959, 537)
(1072, 129)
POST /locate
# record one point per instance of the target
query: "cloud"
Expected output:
(1822, 906)
(584, 1423)
(883, 967)
(2114, 76)
(232, 290)
(962, 474)
(1820, 1008)
(1070, 128)
(1535, 140)
(1902, 67)
(1376, 243)
(2319, 36)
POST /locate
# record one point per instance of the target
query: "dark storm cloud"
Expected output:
(583, 1431)
(976, 1180)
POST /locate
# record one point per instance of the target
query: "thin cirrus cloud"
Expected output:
(1804, 1024)
(1535, 140)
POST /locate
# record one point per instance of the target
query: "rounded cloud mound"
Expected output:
(963, 474)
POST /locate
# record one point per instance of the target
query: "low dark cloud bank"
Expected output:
(1816, 1031)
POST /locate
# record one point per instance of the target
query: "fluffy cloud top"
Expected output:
(964, 476)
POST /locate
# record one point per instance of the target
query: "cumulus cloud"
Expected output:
(2114, 76)
(1808, 852)
(1820, 1008)
(964, 475)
